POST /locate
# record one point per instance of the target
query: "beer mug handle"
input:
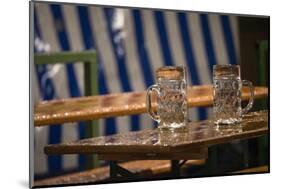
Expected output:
(251, 100)
(149, 91)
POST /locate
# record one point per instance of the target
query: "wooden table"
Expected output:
(190, 142)
(103, 106)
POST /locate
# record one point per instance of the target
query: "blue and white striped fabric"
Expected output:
(131, 44)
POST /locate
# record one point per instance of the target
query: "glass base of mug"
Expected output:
(171, 127)
(229, 121)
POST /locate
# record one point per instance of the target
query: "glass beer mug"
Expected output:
(227, 94)
(171, 98)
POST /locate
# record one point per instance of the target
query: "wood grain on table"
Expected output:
(104, 106)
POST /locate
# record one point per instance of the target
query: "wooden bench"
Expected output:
(260, 169)
(153, 168)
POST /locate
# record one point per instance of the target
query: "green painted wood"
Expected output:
(91, 87)
(90, 82)
(262, 62)
(65, 57)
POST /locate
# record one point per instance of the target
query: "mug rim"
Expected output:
(225, 65)
(173, 72)
(164, 68)
(229, 68)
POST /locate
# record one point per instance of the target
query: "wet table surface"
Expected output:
(103, 106)
(156, 144)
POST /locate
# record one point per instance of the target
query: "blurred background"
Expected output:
(131, 44)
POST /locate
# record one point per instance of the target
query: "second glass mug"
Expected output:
(227, 85)
(171, 98)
